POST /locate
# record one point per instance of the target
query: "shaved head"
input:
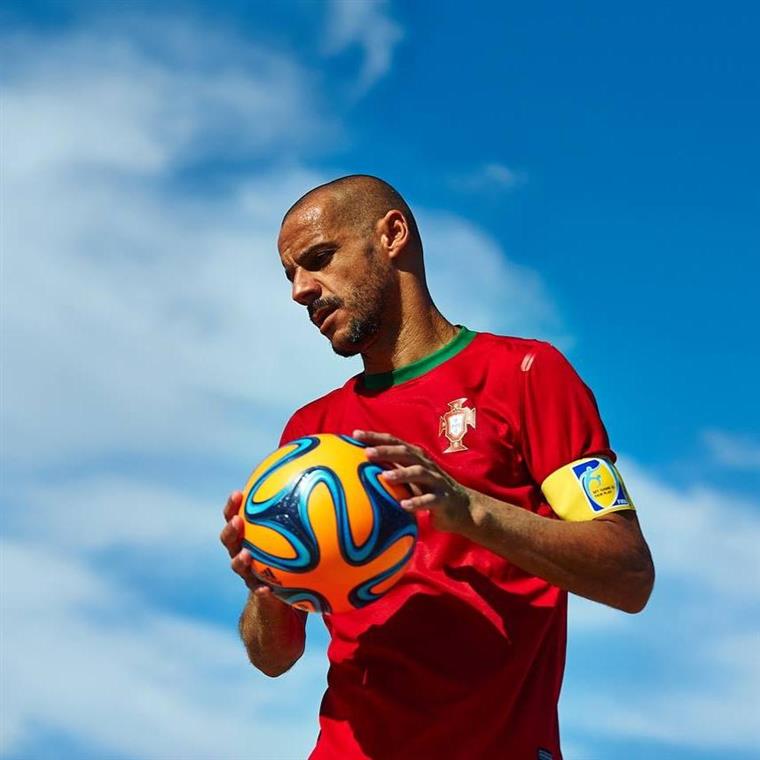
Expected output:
(358, 201)
(350, 249)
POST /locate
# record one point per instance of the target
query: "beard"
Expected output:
(366, 307)
(360, 330)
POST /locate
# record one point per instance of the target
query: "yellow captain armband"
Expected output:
(585, 489)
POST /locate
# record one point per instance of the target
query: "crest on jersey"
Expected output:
(454, 424)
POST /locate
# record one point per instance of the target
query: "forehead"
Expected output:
(314, 222)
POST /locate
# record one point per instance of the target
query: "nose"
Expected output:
(305, 288)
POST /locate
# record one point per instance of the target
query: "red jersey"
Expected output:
(464, 656)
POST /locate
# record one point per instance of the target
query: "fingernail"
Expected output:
(371, 452)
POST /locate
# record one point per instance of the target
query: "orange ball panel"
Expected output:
(270, 541)
(388, 583)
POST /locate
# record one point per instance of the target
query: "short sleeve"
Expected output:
(293, 429)
(560, 420)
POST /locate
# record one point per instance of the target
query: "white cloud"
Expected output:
(100, 99)
(694, 523)
(585, 616)
(106, 512)
(734, 451)
(473, 282)
(698, 637)
(84, 658)
(130, 311)
(364, 23)
(489, 177)
(718, 712)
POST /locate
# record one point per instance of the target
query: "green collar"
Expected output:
(421, 366)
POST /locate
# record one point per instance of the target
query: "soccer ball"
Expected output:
(325, 532)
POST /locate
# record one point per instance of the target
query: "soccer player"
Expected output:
(515, 490)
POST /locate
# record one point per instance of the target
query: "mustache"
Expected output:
(321, 303)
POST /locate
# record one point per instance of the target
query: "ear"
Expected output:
(393, 231)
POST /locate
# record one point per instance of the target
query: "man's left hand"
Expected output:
(434, 490)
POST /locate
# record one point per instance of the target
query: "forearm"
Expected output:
(273, 633)
(605, 560)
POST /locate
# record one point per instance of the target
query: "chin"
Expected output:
(355, 337)
(346, 353)
(345, 344)
(344, 347)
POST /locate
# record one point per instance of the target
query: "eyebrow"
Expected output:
(316, 248)
(312, 250)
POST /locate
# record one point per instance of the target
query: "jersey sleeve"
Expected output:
(293, 429)
(564, 441)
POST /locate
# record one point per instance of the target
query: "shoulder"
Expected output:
(517, 353)
(310, 416)
(318, 404)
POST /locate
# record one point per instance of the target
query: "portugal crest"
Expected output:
(454, 424)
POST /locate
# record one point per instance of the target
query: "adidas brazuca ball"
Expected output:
(325, 531)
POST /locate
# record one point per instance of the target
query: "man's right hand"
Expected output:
(232, 538)
(274, 633)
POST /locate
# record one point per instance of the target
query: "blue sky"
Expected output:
(584, 174)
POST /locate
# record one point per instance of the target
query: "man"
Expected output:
(516, 496)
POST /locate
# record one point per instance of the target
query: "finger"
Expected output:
(254, 581)
(372, 437)
(396, 454)
(426, 501)
(232, 507)
(232, 535)
(242, 564)
(417, 473)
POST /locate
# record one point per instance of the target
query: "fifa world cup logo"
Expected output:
(454, 424)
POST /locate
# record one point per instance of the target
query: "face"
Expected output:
(338, 274)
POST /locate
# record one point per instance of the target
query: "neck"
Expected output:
(417, 335)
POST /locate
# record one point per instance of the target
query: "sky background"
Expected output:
(584, 173)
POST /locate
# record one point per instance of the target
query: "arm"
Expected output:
(274, 633)
(605, 560)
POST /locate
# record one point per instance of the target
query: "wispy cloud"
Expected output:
(717, 713)
(489, 177)
(128, 306)
(101, 99)
(698, 637)
(87, 659)
(474, 282)
(734, 451)
(368, 25)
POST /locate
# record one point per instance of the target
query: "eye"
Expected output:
(320, 259)
(324, 257)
